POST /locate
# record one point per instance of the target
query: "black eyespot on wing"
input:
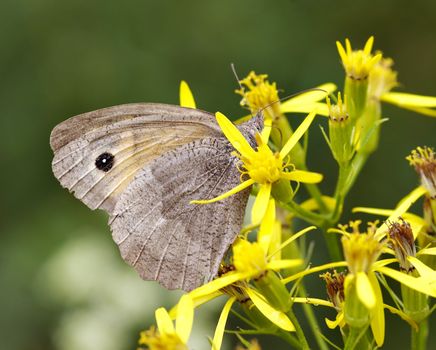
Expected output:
(105, 161)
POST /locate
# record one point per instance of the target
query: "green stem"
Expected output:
(419, 338)
(310, 217)
(353, 341)
(298, 330)
(289, 338)
(310, 316)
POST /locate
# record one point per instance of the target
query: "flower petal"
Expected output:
(321, 108)
(202, 299)
(266, 131)
(337, 322)
(260, 203)
(284, 264)
(233, 134)
(217, 284)
(365, 292)
(163, 321)
(185, 317)
(310, 96)
(233, 191)
(303, 176)
(423, 270)
(421, 284)
(219, 331)
(428, 251)
(368, 46)
(403, 99)
(292, 238)
(377, 314)
(275, 316)
(266, 226)
(401, 208)
(297, 134)
(186, 97)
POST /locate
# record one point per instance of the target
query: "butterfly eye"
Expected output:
(104, 161)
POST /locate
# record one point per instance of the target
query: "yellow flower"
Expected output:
(250, 261)
(358, 63)
(361, 251)
(166, 337)
(263, 166)
(258, 94)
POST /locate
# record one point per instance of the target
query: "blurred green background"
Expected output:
(63, 284)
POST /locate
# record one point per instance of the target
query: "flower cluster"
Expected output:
(263, 277)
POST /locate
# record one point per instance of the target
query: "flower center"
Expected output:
(361, 250)
(249, 257)
(263, 166)
(257, 93)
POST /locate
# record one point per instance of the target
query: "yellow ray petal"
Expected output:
(217, 284)
(266, 131)
(275, 316)
(260, 203)
(365, 291)
(337, 322)
(401, 208)
(312, 301)
(377, 314)
(423, 285)
(163, 321)
(423, 270)
(428, 251)
(233, 191)
(342, 53)
(196, 302)
(266, 226)
(422, 110)
(292, 238)
(219, 331)
(284, 264)
(321, 108)
(310, 96)
(402, 315)
(313, 270)
(186, 97)
(297, 134)
(368, 46)
(411, 100)
(235, 137)
(185, 317)
(303, 176)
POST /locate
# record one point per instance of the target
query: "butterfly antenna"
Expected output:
(232, 65)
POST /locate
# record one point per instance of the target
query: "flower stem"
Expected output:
(419, 338)
(299, 331)
(311, 318)
(356, 340)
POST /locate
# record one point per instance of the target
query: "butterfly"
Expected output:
(143, 164)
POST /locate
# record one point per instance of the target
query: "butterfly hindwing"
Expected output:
(97, 154)
(165, 237)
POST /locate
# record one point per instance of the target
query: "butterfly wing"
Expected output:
(97, 154)
(162, 235)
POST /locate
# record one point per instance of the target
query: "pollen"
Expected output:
(361, 250)
(423, 159)
(258, 93)
(263, 166)
(337, 112)
(157, 341)
(402, 242)
(249, 257)
(382, 78)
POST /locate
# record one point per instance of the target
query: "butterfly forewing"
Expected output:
(97, 154)
(143, 164)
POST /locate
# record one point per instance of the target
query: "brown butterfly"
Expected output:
(143, 164)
